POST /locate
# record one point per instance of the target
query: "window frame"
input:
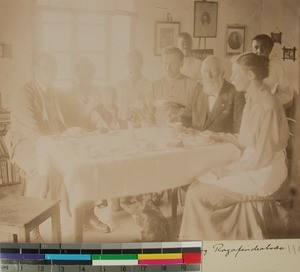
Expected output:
(74, 24)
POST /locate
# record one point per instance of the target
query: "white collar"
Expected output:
(217, 92)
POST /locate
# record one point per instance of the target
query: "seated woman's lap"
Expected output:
(213, 195)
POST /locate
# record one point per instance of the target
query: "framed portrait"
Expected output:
(205, 19)
(289, 53)
(276, 37)
(235, 39)
(6, 50)
(166, 34)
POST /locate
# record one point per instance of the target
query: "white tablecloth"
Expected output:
(95, 166)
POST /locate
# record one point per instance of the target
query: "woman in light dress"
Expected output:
(225, 202)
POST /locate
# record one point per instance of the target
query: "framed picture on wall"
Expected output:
(166, 34)
(289, 53)
(202, 53)
(235, 39)
(276, 37)
(205, 19)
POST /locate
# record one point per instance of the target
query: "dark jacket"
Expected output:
(226, 113)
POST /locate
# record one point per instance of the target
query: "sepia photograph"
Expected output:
(276, 37)
(205, 19)
(289, 53)
(166, 34)
(119, 126)
(235, 39)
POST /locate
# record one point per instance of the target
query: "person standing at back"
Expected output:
(277, 80)
(191, 66)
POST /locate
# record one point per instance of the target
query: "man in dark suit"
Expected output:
(216, 106)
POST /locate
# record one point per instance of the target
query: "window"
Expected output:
(71, 33)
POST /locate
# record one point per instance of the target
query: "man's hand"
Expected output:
(213, 135)
(218, 136)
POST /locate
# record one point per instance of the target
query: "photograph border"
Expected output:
(241, 30)
(277, 254)
(157, 41)
(201, 7)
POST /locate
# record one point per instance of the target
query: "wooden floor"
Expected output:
(124, 228)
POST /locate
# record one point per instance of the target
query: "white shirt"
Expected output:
(212, 98)
(279, 83)
(211, 101)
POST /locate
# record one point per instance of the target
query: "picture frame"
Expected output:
(166, 34)
(6, 50)
(235, 39)
(289, 53)
(205, 19)
(276, 37)
(202, 53)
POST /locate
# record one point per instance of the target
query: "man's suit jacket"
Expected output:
(32, 116)
(226, 113)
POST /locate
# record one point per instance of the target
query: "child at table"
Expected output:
(108, 97)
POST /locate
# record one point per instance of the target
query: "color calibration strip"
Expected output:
(105, 257)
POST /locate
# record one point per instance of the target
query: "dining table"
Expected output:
(94, 166)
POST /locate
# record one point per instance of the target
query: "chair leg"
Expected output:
(12, 238)
(56, 225)
(24, 235)
(15, 238)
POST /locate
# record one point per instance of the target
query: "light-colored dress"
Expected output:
(218, 204)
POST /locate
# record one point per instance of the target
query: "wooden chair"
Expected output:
(19, 215)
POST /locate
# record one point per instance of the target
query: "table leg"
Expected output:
(12, 238)
(79, 217)
(23, 235)
(56, 225)
(78, 224)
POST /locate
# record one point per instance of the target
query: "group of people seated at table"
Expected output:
(247, 111)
